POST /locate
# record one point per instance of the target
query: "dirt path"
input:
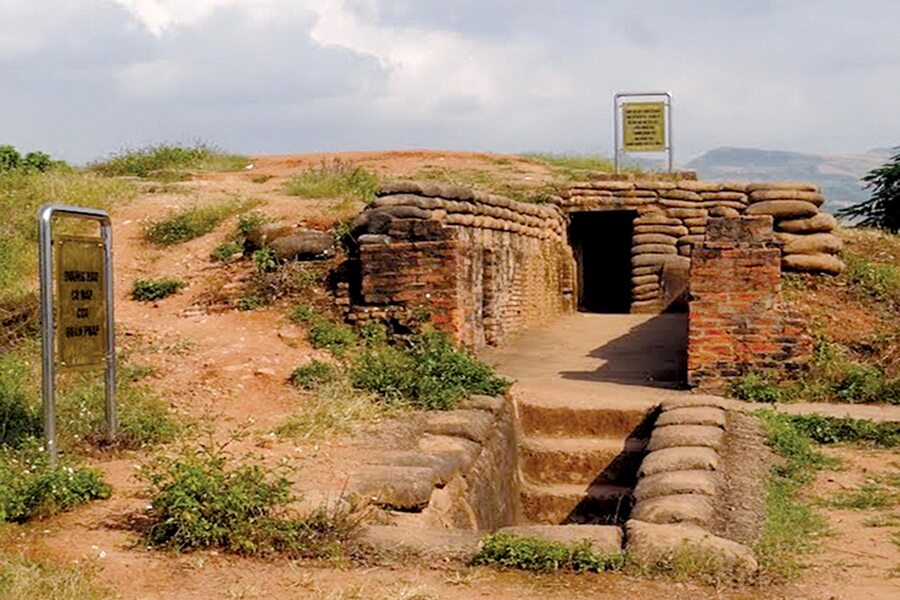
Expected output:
(229, 367)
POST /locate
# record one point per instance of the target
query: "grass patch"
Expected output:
(150, 290)
(22, 578)
(168, 162)
(225, 251)
(428, 372)
(202, 497)
(868, 496)
(755, 388)
(337, 338)
(792, 527)
(543, 556)
(187, 224)
(334, 178)
(30, 487)
(834, 430)
(314, 374)
(873, 280)
(575, 162)
(332, 407)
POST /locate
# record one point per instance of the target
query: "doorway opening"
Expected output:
(601, 242)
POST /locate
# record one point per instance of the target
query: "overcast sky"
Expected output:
(82, 78)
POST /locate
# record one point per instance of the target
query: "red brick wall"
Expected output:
(738, 322)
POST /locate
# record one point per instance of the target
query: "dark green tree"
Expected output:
(882, 210)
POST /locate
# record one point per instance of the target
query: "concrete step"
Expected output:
(568, 418)
(580, 460)
(601, 504)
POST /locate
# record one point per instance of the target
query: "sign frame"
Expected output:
(46, 216)
(666, 99)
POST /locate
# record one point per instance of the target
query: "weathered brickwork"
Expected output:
(671, 215)
(477, 265)
(738, 321)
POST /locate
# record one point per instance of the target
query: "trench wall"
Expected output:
(477, 265)
(671, 216)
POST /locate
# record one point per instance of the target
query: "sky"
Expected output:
(84, 78)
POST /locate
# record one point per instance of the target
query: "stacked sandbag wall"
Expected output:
(496, 265)
(671, 217)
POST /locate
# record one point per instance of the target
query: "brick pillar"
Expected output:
(738, 322)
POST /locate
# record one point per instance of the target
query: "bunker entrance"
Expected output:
(601, 242)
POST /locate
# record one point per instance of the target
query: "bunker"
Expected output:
(601, 243)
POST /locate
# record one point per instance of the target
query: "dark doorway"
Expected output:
(601, 242)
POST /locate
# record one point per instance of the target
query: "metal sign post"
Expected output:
(646, 126)
(85, 335)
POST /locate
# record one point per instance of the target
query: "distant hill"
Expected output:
(838, 175)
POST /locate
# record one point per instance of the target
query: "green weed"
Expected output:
(333, 407)
(264, 260)
(429, 372)
(755, 388)
(303, 313)
(168, 162)
(834, 430)
(251, 301)
(868, 496)
(334, 179)
(150, 290)
(337, 338)
(889, 520)
(225, 251)
(873, 280)
(20, 418)
(190, 223)
(30, 487)
(543, 556)
(202, 497)
(314, 374)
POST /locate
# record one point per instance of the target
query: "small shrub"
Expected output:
(150, 290)
(190, 223)
(203, 498)
(225, 251)
(313, 374)
(543, 556)
(168, 161)
(247, 222)
(20, 419)
(373, 334)
(303, 313)
(334, 179)
(31, 488)
(755, 388)
(833, 430)
(264, 260)
(429, 372)
(334, 337)
(862, 383)
(251, 301)
(873, 280)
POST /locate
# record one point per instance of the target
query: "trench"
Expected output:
(601, 243)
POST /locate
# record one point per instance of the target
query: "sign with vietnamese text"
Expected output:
(81, 330)
(644, 126)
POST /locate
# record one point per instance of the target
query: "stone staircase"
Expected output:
(578, 461)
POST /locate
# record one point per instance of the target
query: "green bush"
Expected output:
(303, 313)
(862, 383)
(264, 260)
(314, 374)
(247, 222)
(755, 388)
(20, 419)
(429, 372)
(334, 337)
(150, 290)
(30, 487)
(190, 223)
(225, 251)
(168, 161)
(334, 179)
(11, 160)
(543, 556)
(202, 498)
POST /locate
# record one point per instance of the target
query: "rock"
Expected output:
(783, 208)
(679, 458)
(685, 435)
(762, 195)
(473, 425)
(265, 234)
(373, 238)
(303, 244)
(811, 243)
(604, 539)
(653, 249)
(653, 238)
(671, 230)
(698, 415)
(676, 482)
(819, 223)
(404, 488)
(695, 509)
(813, 263)
(430, 544)
(655, 544)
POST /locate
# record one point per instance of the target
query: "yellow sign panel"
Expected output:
(81, 333)
(644, 126)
